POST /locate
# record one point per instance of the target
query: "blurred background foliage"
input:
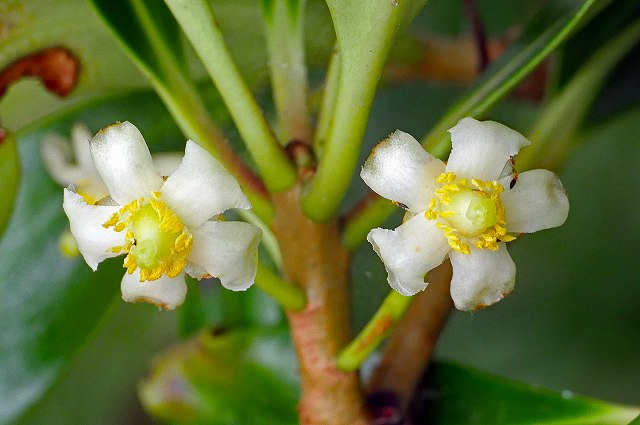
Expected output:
(70, 348)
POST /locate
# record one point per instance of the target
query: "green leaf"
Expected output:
(365, 31)
(50, 304)
(459, 395)
(29, 26)
(9, 176)
(225, 377)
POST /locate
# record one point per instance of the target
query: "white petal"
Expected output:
(166, 163)
(166, 292)
(401, 170)
(227, 250)
(537, 201)
(57, 159)
(409, 252)
(201, 188)
(80, 138)
(480, 149)
(94, 241)
(482, 277)
(122, 158)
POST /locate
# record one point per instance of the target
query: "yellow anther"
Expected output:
(156, 241)
(476, 207)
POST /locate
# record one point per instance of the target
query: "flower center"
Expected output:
(469, 212)
(156, 240)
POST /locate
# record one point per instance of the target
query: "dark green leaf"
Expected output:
(225, 377)
(50, 304)
(458, 395)
(148, 31)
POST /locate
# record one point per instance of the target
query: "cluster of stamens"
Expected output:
(156, 241)
(469, 212)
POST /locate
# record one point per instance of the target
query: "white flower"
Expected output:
(166, 227)
(70, 163)
(467, 209)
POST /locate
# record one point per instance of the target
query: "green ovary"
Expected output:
(473, 212)
(152, 244)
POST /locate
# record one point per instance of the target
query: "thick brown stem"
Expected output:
(314, 258)
(411, 345)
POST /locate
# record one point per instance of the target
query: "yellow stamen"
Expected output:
(469, 212)
(156, 241)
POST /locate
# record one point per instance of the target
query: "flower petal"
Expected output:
(401, 170)
(409, 252)
(480, 149)
(537, 201)
(166, 292)
(482, 277)
(201, 188)
(227, 250)
(94, 241)
(122, 158)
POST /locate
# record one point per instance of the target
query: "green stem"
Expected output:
(290, 296)
(379, 327)
(327, 107)
(365, 33)
(371, 212)
(198, 22)
(284, 25)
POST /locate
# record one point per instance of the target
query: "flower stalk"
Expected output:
(290, 296)
(379, 327)
(198, 22)
(284, 30)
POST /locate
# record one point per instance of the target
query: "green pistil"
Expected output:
(152, 244)
(482, 213)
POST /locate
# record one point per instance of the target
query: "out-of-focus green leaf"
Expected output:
(49, 304)
(225, 377)
(507, 71)
(457, 395)
(636, 421)
(9, 176)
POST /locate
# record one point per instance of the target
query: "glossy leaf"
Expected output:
(28, 26)
(459, 395)
(225, 377)
(9, 176)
